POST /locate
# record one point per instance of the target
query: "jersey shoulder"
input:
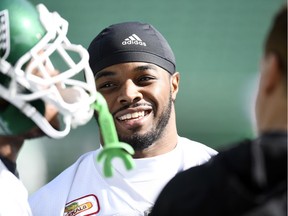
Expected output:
(56, 191)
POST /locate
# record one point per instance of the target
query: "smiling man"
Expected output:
(135, 71)
(140, 96)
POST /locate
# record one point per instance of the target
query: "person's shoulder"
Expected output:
(66, 174)
(65, 177)
(54, 192)
(196, 146)
(194, 153)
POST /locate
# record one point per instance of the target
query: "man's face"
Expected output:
(139, 98)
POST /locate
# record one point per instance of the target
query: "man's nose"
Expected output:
(129, 93)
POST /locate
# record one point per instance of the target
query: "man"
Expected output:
(251, 177)
(134, 69)
(34, 95)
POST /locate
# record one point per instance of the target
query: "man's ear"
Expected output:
(175, 79)
(272, 73)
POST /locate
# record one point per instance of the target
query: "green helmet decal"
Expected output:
(20, 28)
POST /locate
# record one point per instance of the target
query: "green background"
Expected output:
(218, 46)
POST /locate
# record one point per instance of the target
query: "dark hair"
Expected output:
(276, 41)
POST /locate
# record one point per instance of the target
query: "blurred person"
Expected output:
(249, 178)
(35, 98)
(135, 71)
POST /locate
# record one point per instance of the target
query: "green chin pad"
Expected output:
(14, 122)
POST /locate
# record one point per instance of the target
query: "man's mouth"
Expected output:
(134, 115)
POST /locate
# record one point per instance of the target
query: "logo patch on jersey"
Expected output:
(4, 34)
(86, 205)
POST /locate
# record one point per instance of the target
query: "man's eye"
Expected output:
(105, 85)
(145, 78)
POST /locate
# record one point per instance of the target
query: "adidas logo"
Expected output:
(133, 39)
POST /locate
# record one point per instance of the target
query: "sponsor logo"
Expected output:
(86, 205)
(133, 40)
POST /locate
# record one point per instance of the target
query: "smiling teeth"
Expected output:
(132, 115)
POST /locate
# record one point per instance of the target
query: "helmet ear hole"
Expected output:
(4, 80)
(24, 123)
(3, 105)
(12, 120)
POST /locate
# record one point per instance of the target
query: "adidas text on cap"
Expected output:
(130, 42)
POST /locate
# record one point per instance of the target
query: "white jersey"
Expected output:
(13, 194)
(82, 190)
